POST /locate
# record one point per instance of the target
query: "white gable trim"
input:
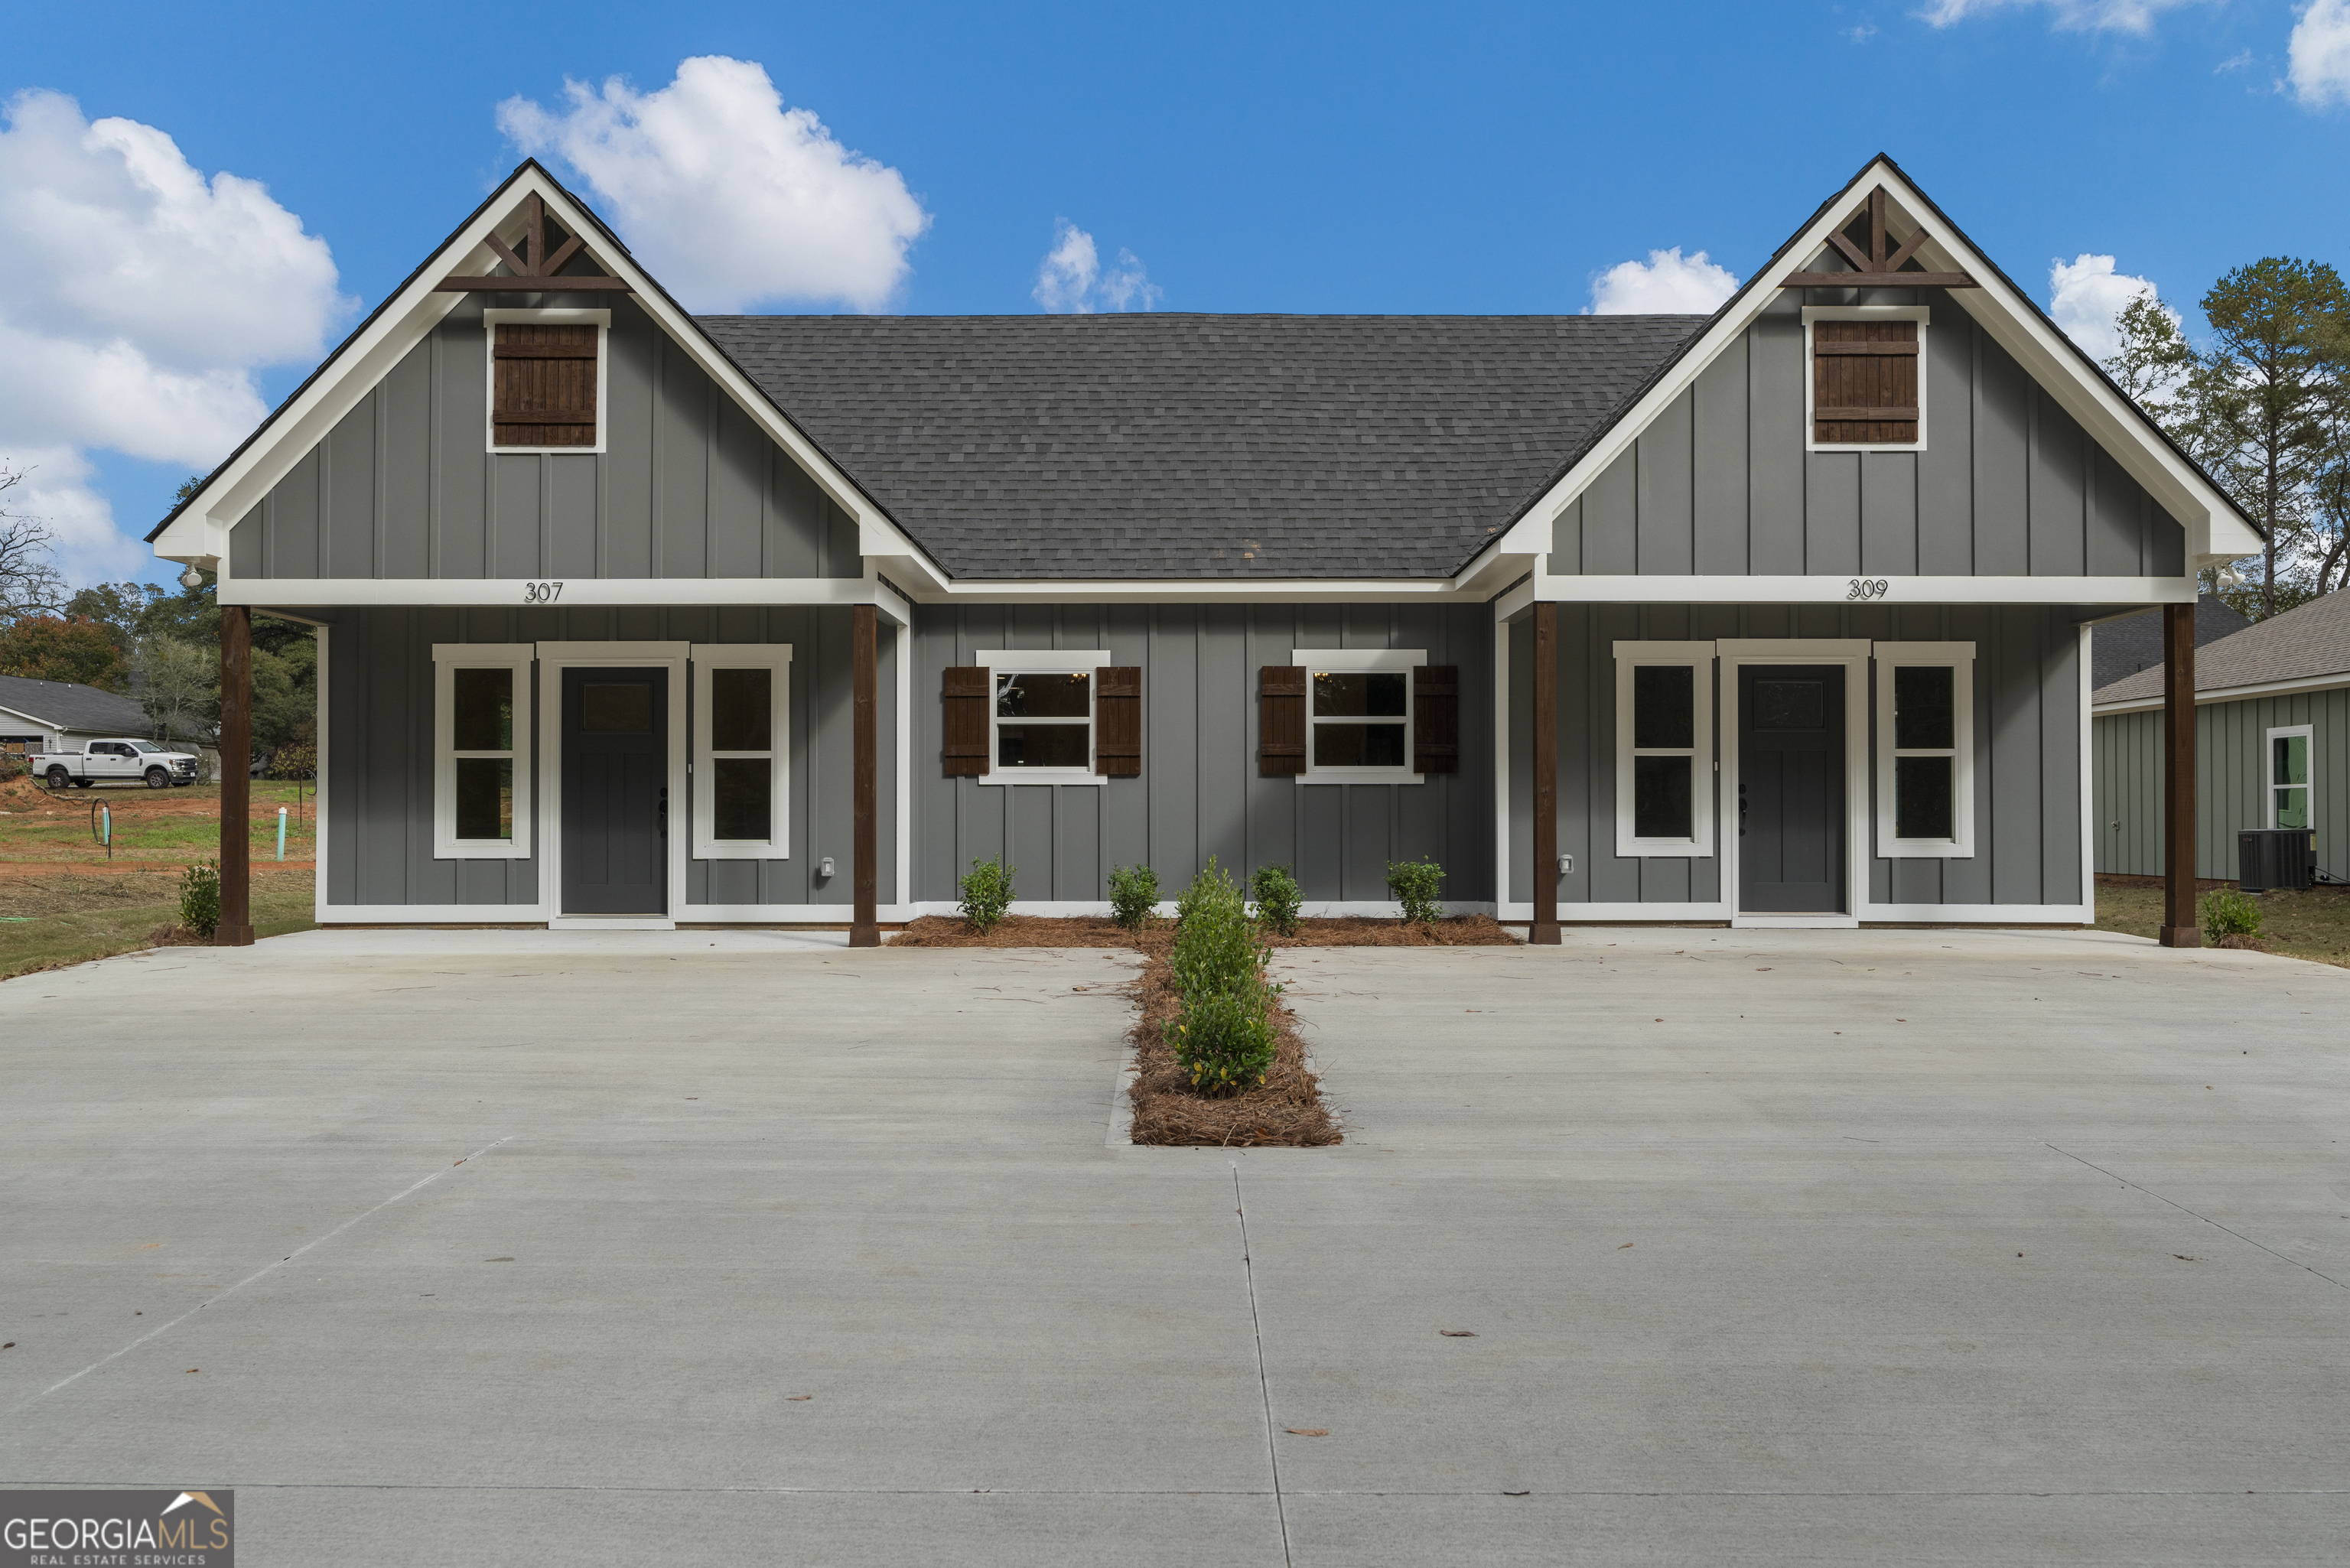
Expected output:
(199, 535)
(2214, 530)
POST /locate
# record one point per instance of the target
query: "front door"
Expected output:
(1791, 773)
(615, 792)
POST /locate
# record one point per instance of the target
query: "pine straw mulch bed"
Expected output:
(1286, 1110)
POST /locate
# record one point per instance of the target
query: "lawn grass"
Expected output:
(2315, 925)
(178, 825)
(95, 918)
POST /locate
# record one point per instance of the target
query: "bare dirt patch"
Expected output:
(1286, 1110)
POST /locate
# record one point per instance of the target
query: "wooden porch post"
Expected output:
(2178, 927)
(862, 931)
(1543, 931)
(235, 929)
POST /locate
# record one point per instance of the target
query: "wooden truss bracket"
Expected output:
(1876, 269)
(533, 270)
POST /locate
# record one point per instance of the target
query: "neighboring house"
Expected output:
(2130, 643)
(2272, 745)
(59, 715)
(1776, 615)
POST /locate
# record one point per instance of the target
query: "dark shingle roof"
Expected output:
(2123, 647)
(1172, 445)
(69, 706)
(2307, 642)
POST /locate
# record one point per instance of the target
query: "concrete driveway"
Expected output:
(1771, 1247)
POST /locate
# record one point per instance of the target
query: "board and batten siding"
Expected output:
(405, 487)
(379, 760)
(1200, 793)
(2008, 483)
(2231, 780)
(2027, 750)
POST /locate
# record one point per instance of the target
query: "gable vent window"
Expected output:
(1867, 390)
(547, 379)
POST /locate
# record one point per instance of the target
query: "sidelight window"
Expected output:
(1664, 749)
(2289, 781)
(741, 751)
(1924, 750)
(481, 722)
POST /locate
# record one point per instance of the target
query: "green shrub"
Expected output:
(986, 893)
(1414, 884)
(1133, 895)
(2228, 913)
(1222, 1033)
(200, 898)
(1278, 899)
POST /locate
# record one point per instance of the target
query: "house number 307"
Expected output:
(1862, 588)
(541, 593)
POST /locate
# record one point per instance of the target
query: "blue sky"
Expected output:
(1264, 157)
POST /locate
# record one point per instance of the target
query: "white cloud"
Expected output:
(1071, 282)
(730, 199)
(2318, 59)
(2071, 15)
(1667, 284)
(87, 546)
(2087, 296)
(138, 300)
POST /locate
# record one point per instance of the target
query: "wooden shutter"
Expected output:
(965, 694)
(545, 386)
(1864, 381)
(1435, 719)
(1281, 720)
(1118, 721)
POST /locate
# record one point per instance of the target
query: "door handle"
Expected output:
(664, 811)
(1741, 811)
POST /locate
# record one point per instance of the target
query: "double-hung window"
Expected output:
(1041, 714)
(1924, 750)
(2289, 780)
(1664, 749)
(1358, 714)
(481, 729)
(741, 751)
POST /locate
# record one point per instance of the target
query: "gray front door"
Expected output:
(1791, 809)
(615, 792)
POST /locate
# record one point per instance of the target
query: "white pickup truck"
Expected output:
(123, 761)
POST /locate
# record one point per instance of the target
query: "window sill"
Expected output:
(767, 850)
(1925, 849)
(1042, 776)
(480, 850)
(1362, 775)
(1663, 849)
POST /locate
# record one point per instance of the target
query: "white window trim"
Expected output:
(1042, 661)
(491, 320)
(1959, 657)
(448, 657)
(1697, 658)
(2308, 733)
(773, 657)
(1354, 660)
(1919, 313)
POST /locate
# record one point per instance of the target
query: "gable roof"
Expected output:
(2308, 643)
(2218, 529)
(1173, 445)
(68, 705)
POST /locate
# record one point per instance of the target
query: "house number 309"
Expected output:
(1862, 588)
(541, 593)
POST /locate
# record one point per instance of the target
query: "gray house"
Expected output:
(60, 715)
(2272, 721)
(1774, 616)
